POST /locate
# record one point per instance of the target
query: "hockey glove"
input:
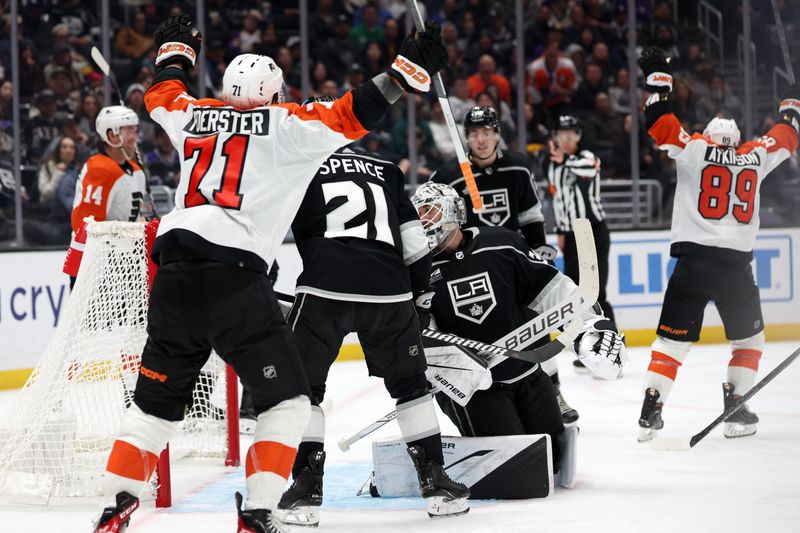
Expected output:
(178, 41)
(602, 348)
(420, 57)
(789, 109)
(422, 303)
(656, 69)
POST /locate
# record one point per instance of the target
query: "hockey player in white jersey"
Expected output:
(714, 224)
(246, 161)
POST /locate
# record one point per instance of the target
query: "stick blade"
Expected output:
(670, 444)
(101, 62)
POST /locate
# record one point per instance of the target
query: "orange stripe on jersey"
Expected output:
(172, 96)
(128, 461)
(101, 174)
(668, 130)
(339, 116)
(663, 364)
(779, 136)
(270, 456)
(746, 358)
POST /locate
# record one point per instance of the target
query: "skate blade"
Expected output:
(303, 516)
(444, 507)
(647, 434)
(734, 430)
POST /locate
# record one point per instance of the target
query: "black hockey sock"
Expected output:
(556, 381)
(303, 452)
(432, 445)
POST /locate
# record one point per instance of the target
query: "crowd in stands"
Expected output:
(575, 63)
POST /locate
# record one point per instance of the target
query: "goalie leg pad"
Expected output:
(270, 458)
(135, 452)
(569, 458)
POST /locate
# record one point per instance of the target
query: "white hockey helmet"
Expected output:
(251, 80)
(442, 211)
(723, 131)
(113, 118)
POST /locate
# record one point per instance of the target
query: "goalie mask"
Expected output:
(252, 80)
(441, 210)
(723, 131)
(114, 118)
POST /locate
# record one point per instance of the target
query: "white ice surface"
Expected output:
(750, 484)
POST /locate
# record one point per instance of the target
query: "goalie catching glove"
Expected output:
(656, 69)
(178, 41)
(601, 347)
(420, 57)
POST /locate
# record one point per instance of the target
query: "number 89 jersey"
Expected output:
(717, 194)
(358, 233)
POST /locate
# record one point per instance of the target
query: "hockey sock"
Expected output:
(270, 458)
(417, 420)
(666, 357)
(743, 366)
(313, 439)
(135, 453)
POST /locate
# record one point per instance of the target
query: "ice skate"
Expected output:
(743, 422)
(444, 496)
(299, 505)
(116, 519)
(568, 414)
(650, 422)
(257, 520)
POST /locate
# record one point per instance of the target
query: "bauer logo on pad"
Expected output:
(473, 297)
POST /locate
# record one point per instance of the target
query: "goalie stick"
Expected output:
(784, 47)
(455, 138)
(677, 443)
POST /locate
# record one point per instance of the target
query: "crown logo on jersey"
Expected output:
(476, 310)
(495, 219)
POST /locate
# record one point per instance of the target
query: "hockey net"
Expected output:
(56, 437)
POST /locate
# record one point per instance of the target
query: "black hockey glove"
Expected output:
(420, 57)
(789, 109)
(656, 69)
(422, 302)
(178, 41)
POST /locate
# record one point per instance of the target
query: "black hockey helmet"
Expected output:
(481, 117)
(568, 123)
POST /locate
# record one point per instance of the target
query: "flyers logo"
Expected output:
(414, 75)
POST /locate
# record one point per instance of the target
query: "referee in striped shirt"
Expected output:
(574, 177)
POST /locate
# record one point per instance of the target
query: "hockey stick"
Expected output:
(677, 443)
(344, 444)
(105, 68)
(455, 138)
(784, 47)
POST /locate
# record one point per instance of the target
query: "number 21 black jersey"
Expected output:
(358, 233)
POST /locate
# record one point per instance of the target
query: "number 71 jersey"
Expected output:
(717, 194)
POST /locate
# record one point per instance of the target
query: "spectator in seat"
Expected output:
(163, 161)
(31, 78)
(392, 38)
(507, 127)
(592, 84)
(339, 52)
(600, 57)
(553, 81)
(486, 77)
(601, 129)
(64, 92)
(355, 77)
(369, 30)
(250, 34)
(460, 100)
(718, 100)
(620, 93)
(62, 57)
(440, 132)
(267, 46)
(501, 37)
(684, 105)
(134, 100)
(43, 128)
(322, 19)
(54, 166)
(134, 41)
(374, 61)
(329, 88)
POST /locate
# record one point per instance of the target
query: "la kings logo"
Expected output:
(496, 207)
(472, 297)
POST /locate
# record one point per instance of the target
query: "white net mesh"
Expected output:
(55, 439)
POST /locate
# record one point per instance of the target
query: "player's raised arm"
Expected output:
(661, 123)
(781, 140)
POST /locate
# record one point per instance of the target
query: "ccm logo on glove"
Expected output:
(172, 49)
(415, 75)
